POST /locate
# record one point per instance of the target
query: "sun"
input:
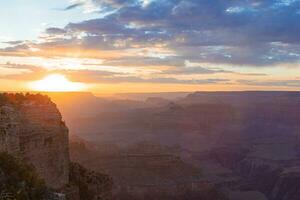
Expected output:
(56, 83)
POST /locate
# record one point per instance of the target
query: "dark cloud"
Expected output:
(136, 79)
(272, 83)
(98, 27)
(194, 70)
(55, 31)
(16, 48)
(145, 61)
(73, 6)
(198, 70)
(16, 42)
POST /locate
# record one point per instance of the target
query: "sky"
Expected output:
(116, 46)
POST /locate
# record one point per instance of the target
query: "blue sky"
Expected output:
(154, 44)
(26, 19)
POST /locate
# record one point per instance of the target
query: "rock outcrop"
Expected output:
(287, 186)
(92, 185)
(32, 129)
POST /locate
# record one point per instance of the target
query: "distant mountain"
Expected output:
(144, 96)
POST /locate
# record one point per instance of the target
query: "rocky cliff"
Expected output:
(92, 185)
(32, 130)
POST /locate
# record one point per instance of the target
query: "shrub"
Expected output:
(20, 179)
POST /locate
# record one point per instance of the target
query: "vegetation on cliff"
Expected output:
(19, 98)
(91, 185)
(20, 180)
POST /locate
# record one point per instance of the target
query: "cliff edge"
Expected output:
(32, 130)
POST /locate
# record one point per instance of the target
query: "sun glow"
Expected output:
(56, 83)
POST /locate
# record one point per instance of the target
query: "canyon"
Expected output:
(210, 146)
(244, 145)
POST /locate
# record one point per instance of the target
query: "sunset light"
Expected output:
(56, 83)
(150, 99)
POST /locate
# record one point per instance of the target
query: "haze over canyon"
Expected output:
(150, 100)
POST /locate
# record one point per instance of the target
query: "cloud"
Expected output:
(164, 34)
(22, 72)
(55, 31)
(144, 60)
(33, 73)
(73, 6)
(272, 83)
(259, 33)
(16, 42)
(88, 76)
(195, 70)
(137, 79)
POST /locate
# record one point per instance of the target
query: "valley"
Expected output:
(243, 144)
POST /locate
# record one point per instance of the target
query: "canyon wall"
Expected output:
(32, 129)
